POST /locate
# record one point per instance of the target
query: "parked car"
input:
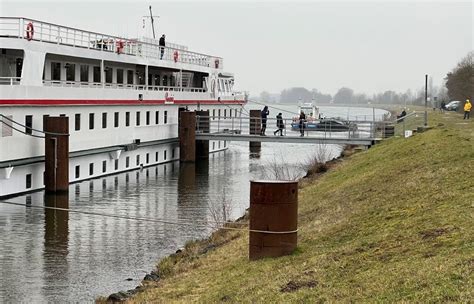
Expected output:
(453, 105)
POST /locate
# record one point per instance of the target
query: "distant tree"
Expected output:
(344, 95)
(460, 81)
(319, 97)
(294, 95)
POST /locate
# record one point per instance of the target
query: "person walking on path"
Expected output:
(280, 125)
(162, 44)
(443, 106)
(264, 115)
(467, 109)
(302, 120)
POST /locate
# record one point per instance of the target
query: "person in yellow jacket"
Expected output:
(467, 109)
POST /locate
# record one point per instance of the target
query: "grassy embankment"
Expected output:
(393, 223)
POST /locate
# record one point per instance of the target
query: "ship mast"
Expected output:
(152, 21)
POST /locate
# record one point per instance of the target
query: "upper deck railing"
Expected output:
(30, 29)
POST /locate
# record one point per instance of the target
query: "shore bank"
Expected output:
(389, 224)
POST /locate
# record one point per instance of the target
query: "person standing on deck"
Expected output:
(280, 125)
(264, 115)
(302, 120)
(467, 109)
(162, 45)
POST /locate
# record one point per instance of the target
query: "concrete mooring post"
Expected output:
(187, 136)
(56, 146)
(274, 212)
(202, 146)
(255, 127)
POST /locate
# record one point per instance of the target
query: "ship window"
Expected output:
(157, 117)
(116, 164)
(127, 161)
(138, 118)
(96, 74)
(28, 181)
(84, 73)
(225, 113)
(129, 76)
(104, 166)
(147, 117)
(156, 156)
(165, 80)
(19, 66)
(55, 71)
(127, 119)
(219, 113)
(172, 153)
(91, 121)
(70, 72)
(108, 74)
(148, 158)
(116, 119)
(138, 159)
(150, 79)
(213, 145)
(157, 80)
(165, 118)
(120, 76)
(91, 169)
(164, 155)
(104, 120)
(28, 124)
(214, 114)
(77, 122)
(219, 144)
(78, 171)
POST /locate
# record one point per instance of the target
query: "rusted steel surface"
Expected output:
(273, 208)
(202, 146)
(255, 126)
(187, 136)
(56, 175)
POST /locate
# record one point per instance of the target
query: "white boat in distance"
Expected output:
(118, 93)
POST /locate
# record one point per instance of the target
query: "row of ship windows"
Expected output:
(77, 169)
(77, 120)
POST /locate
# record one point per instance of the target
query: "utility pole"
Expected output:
(426, 100)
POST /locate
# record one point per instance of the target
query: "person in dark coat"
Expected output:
(280, 125)
(264, 115)
(162, 44)
(302, 120)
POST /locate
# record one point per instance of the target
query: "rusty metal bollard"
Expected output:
(273, 208)
(255, 127)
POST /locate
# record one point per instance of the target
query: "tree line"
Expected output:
(458, 85)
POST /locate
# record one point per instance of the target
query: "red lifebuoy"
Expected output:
(30, 30)
(175, 56)
(119, 44)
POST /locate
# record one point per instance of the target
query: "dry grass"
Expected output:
(391, 224)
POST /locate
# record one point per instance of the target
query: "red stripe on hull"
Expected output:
(86, 102)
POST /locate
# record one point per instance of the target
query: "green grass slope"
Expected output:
(393, 223)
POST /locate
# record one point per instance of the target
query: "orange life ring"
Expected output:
(175, 56)
(119, 44)
(30, 30)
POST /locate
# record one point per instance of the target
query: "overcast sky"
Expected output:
(368, 46)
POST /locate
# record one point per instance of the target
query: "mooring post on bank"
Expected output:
(56, 146)
(255, 127)
(187, 136)
(202, 146)
(274, 214)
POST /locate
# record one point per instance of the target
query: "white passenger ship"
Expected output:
(122, 97)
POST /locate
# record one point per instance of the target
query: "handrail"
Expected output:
(65, 35)
(10, 80)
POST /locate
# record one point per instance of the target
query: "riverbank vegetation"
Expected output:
(392, 223)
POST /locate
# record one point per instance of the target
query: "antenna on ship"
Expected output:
(152, 21)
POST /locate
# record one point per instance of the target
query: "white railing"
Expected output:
(58, 34)
(79, 84)
(10, 80)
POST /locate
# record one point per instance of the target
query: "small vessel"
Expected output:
(314, 121)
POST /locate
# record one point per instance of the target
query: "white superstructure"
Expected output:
(122, 97)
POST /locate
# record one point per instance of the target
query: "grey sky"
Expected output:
(367, 46)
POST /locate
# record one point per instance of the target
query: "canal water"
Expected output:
(132, 220)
